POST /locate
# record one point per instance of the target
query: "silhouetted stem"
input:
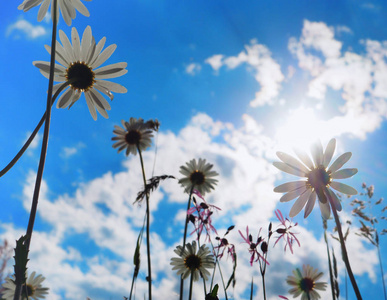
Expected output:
(344, 251)
(184, 239)
(147, 228)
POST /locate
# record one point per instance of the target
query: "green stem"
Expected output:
(344, 250)
(43, 152)
(184, 239)
(190, 286)
(251, 289)
(381, 268)
(147, 228)
(329, 260)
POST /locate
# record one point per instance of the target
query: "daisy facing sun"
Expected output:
(319, 179)
(78, 65)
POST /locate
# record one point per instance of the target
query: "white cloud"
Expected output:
(70, 151)
(267, 72)
(193, 69)
(359, 77)
(27, 28)
(102, 213)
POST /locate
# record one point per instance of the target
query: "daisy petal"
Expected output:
(317, 153)
(288, 169)
(309, 206)
(293, 194)
(289, 186)
(300, 203)
(290, 160)
(325, 210)
(340, 161)
(329, 152)
(335, 201)
(304, 158)
(344, 173)
(343, 188)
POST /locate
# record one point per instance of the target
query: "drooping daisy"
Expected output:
(135, 133)
(78, 63)
(319, 179)
(198, 175)
(33, 288)
(193, 263)
(67, 7)
(305, 283)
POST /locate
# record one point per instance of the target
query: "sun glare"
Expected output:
(301, 129)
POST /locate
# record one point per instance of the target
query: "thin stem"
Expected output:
(329, 260)
(344, 251)
(43, 152)
(184, 240)
(190, 286)
(251, 289)
(307, 294)
(381, 269)
(33, 134)
(147, 228)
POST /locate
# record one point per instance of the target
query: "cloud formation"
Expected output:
(266, 71)
(29, 30)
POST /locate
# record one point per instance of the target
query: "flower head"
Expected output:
(253, 246)
(193, 263)
(305, 283)
(32, 289)
(78, 63)
(319, 179)
(198, 176)
(67, 7)
(285, 233)
(135, 134)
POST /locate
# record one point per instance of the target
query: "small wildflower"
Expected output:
(193, 263)
(32, 289)
(203, 218)
(285, 233)
(223, 245)
(319, 179)
(305, 283)
(198, 176)
(67, 7)
(134, 134)
(253, 247)
(78, 63)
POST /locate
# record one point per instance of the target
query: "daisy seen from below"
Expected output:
(305, 283)
(67, 7)
(33, 288)
(191, 263)
(78, 63)
(319, 179)
(135, 135)
(198, 175)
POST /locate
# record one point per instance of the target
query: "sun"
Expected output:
(301, 129)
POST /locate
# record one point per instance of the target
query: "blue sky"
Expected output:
(229, 81)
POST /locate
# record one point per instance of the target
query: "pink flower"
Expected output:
(203, 218)
(253, 247)
(285, 233)
(223, 245)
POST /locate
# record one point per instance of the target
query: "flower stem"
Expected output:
(381, 266)
(184, 239)
(190, 286)
(43, 152)
(329, 260)
(149, 278)
(344, 251)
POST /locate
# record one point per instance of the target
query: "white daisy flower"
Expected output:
(319, 179)
(193, 263)
(33, 288)
(78, 63)
(135, 132)
(198, 175)
(305, 283)
(67, 7)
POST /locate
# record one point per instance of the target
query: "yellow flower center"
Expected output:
(133, 137)
(306, 285)
(82, 74)
(193, 262)
(319, 178)
(197, 177)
